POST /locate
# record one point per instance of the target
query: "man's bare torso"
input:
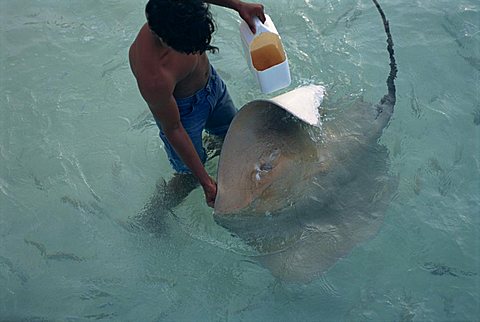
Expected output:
(150, 61)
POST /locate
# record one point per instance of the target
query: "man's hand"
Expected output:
(210, 190)
(248, 11)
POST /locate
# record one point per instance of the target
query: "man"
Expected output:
(181, 88)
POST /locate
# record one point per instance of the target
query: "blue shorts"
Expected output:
(211, 108)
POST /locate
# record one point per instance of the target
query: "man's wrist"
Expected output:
(206, 181)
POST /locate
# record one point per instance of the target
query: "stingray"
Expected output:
(304, 196)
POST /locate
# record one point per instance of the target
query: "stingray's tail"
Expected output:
(389, 99)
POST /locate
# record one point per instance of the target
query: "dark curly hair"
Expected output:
(184, 25)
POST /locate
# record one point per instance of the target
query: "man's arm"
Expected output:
(247, 11)
(163, 105)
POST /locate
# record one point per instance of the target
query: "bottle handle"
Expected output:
(259, 26)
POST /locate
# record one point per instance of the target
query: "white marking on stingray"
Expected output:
(302, 102)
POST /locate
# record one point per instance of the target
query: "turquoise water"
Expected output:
(79, 154)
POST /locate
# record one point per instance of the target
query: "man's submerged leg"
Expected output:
(166, 197)
(213, 145)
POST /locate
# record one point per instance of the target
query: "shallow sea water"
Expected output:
(80, 154)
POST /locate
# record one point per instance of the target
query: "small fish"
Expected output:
(349, 21)
(13, 270)
(99, 316)
(38, 183)
(445, 183)
(435, 166)
(94, 294)
(116, 168)
(93, 208)
(452, 34)
(34, 23)
(458, 156)
(74, 203)
(60, 256)
(440, 270)
(433, 99)
(333, 26)
(417, 182)
(41, 248)
(472, 61)
(414, 105)
(453, 28)
(143, 122)
(112, 69)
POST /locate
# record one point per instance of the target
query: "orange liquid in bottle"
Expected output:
(266, 57)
